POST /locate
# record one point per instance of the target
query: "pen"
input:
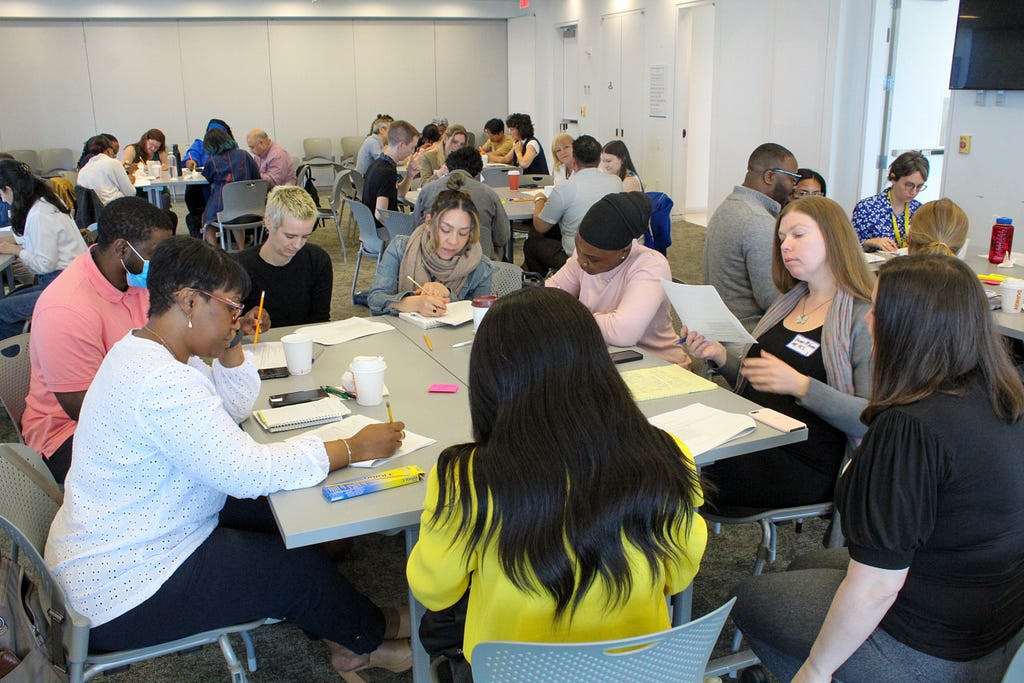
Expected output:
(429, 345)
(259, 318)
(391, 418)
(461, 344)
(345, 396)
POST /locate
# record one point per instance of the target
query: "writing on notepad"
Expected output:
(664, 381)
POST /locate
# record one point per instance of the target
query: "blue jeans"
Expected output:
(17, 307)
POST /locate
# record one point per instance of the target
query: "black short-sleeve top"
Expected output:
(938, 486)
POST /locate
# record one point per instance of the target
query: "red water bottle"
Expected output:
(1002, 240)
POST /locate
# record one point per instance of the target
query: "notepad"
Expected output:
(341, 331)
(664, 381)
(458, 313)
(267, 355)
(301, 415)
(350, 426)
(702, 427)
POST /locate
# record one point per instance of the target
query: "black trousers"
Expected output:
(243, 572)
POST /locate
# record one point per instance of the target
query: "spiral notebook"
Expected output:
(458, 313)
(301, 415)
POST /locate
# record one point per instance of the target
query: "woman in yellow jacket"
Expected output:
(563, 525)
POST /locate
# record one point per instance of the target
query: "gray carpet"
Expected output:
(376, 563)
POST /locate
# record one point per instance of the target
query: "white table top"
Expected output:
(166, 181)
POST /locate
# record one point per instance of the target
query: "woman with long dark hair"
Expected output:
(46, 239)
(931, 586)
(564, 525)
(615, 160)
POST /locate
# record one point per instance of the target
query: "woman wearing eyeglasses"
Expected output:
(165, 530)
(882, 220)
(811, 184)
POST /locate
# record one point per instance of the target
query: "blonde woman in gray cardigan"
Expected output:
(812, 361)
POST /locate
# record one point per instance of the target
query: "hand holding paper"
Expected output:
(702, 310)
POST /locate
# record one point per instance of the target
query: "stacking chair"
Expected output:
(26, 156)
(318, 150)
(678, 655)
(336, 207)
(53, 161)
(397, 222)
(28, 503)
(245, 201)
(505, 278)
(350, 145)
(535, 181)
(14, 378)
(370, 242)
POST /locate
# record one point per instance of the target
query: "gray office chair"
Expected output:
(26, 156)
(678, 655)
(1015, 672)
(318, 151)
(350, 145)
(505, 278)
(14, 378)
(370, 242)
(28, 503)
(397, 222)
(336, 206)
(53, 161)
(245, 202)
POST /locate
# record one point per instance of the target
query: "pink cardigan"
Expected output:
(628, 302)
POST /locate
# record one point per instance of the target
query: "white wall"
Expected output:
(986, 182)
(67, 80)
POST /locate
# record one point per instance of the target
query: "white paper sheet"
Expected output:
(701, 427)
(352, 424)
(267, 355)
(341, 331)
(702, 310)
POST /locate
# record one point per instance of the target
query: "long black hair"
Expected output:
(568, 464)
(26, 188)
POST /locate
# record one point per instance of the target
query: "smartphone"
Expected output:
(628, 356)
(293, 397)
(775, 419)
(273, 373)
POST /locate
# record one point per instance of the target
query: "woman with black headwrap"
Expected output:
(619, 279)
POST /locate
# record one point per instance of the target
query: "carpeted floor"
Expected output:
(376, 563)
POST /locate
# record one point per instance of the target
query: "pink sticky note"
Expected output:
(443, 388)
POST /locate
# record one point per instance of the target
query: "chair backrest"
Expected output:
(14, 377)
(358, 179)
(496, 176)
(505, 278)
(27, 156)
(57, 159)
(27, 500)
(535, 180)
(319, 148)
(243, 198)
(678, 655)
(397, 222)
(87, 207)
(368, 237)
(350, 145)
(1015, 672)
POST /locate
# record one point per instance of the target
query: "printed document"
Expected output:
(702, 310)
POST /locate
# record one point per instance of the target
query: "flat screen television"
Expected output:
(988, 52)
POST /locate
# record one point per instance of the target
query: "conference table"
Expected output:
(304, 516)
(154, 186)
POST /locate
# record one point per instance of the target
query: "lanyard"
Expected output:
(900, 242)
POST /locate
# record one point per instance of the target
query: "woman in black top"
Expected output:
(931, 587)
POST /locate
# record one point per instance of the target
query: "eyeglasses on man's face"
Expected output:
(794, 177)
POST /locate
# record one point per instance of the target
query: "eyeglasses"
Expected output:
(795, 176)
(911, 187)
(800, 194)
(236, 308)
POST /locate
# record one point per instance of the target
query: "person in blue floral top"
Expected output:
(881, 220)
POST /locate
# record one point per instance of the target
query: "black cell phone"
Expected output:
(293, 397)
(273, 373)
(619, 357)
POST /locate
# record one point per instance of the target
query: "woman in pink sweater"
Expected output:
(619, 279)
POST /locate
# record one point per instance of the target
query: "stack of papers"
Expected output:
(350, 426)
(702, 428)
(664, 381)
(342, 331)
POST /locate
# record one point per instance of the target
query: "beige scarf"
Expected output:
(422, 262)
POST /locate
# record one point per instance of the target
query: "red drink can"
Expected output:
(1002, 240)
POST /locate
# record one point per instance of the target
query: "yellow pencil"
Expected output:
(259, 319)
(429, 345)
(391, 418)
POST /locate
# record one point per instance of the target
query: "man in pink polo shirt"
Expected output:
(90, 306)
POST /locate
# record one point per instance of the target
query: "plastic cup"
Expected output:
(513, 180)
(153, 168)
(368, 377)
(481, 304)
(298, 353)
(1011, 295)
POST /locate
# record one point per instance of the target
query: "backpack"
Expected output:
(305, 181)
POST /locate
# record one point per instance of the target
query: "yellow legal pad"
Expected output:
(664, 381)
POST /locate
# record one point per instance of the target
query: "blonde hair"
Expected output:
(938, 227)
(560, 139)
(289, 200)
(843, 253)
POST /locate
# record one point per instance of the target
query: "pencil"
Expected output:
(391, 418)
(429, 345)
(414, 282)
(259, 318)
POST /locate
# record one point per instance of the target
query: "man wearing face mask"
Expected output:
(94, 302)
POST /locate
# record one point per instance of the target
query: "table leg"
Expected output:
(156, 196)
(420, 658)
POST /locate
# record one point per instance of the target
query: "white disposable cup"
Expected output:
(481, 305)
(368, 377)
(298, 353)
(1011, 295)
(153, 168)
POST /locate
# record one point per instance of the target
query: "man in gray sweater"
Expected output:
(738, 250)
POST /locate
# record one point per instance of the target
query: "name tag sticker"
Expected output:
(802, 345)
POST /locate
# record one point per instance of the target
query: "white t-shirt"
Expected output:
(51, 240)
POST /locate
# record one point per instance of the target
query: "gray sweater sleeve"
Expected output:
(758, 256)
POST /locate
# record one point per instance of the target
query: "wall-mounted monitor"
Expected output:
(988, 53)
